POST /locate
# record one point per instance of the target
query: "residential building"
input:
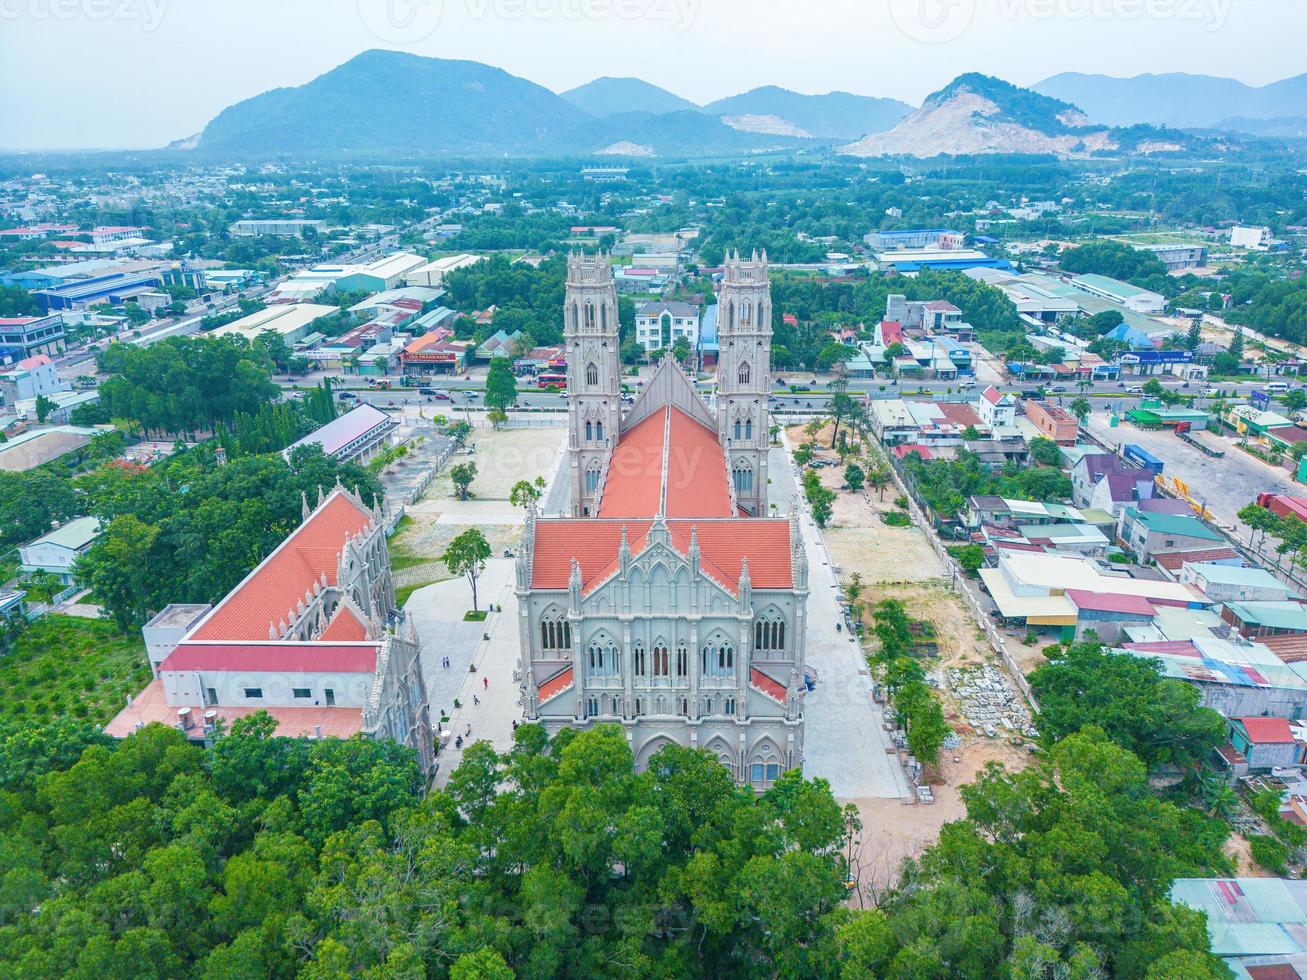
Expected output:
(1033, 588)
(660, 324)
(1053, 422)
(312, 636)
(1234, 583)
(995, 454)
(55, 552)
(1150, 534)
(1267, 743)
(435, 353)
(1234, 678)
(1178, 255)
(1107, 482)
(657, 606)
(355, 437)
(997, 410)
(1257, 620)
(29, 378)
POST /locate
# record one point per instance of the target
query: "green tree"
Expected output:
(1158, 719)
(1080, 408)
(462, 475)
(854, 476)
(459, 431)
(467, 555)
(525, 493)
(501, 385)
(119, 570)
(1045, 451)
(44, 406)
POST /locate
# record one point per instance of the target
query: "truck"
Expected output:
(1142, 457)
(1284, 505)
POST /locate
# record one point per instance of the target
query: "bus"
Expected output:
(551, 382)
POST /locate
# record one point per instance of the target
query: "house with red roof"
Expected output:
(1267, 743)
(312, 636)
(668, 597)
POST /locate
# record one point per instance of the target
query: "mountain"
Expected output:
(672, 134)
(608, 96)
(393, 103)
(835, 115)
(1180, 100)
(1293, 127)
(980, 114)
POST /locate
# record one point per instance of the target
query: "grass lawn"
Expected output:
(404, 591)
(65, 666)
(474, 616)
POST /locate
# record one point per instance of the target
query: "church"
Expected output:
(670, 596)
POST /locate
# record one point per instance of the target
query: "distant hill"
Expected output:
(977, 114)
(1294, 127)
(671, 134)
(393, 103)
(1177, 99)
(835, 115)
(608, 96)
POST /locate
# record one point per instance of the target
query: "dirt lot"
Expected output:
(899, 563)
(502, 458)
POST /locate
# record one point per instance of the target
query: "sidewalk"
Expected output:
(438, 610)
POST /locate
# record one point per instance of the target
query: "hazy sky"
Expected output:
(138, 73)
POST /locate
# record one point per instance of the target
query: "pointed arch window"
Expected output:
(748, 428)
(769, 634)
(599, 431)
(589, 432)
(661, 665)
(555, 633)
(639, 659)
(576, 315)
(601, 660)
(592, 374)
(589, 316)
(682, 660)
(718, 660)
(746, 314)
(742, 475)
(730, 314)
(744, 374)
(762, 314)
(592, 479)
(603, 317)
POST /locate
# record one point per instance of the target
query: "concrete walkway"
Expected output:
(844, 739)
(491, 709)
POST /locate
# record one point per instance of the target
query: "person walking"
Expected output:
(485, 683)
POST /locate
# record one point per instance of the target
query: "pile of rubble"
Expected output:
(989, 703)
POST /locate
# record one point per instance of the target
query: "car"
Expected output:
(1135, 390)
(469, 395)
(348, 396)
(427, 391)
(628, 398)
(1058, 389)
(442, 396)
(969, 383)
(1276, 386)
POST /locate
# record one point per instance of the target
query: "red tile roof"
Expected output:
(268, 593)
(992, 395)
(667, 462)
(911, 447)
(723, 547)
(291, 658)
(1174, 559)
(958, 413)
(1266, 731)
(696, 478)
(344, 626)
(556, 685)
(761, 682)
(1105, 602)
(633, 487)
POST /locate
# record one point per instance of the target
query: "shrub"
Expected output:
(1269, 853)
(896, 518)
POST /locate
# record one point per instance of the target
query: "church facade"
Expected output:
(669, 598)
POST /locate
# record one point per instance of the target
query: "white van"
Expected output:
(1277, 386)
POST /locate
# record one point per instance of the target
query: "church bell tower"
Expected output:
(744, 376)
(594, 373)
